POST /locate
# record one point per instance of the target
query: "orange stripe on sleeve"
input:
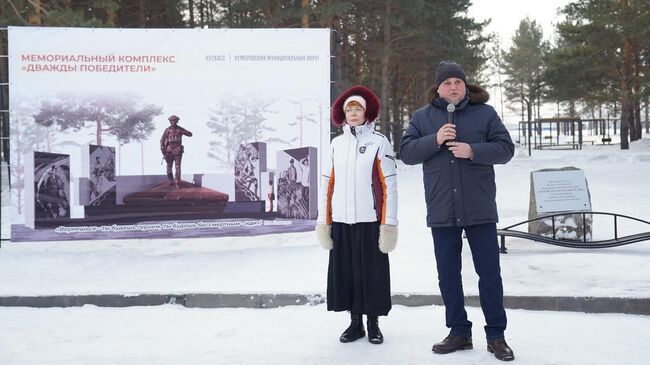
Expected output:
(330, 192)
(383, 190)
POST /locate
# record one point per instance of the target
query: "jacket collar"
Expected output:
(359, 131)
(442, 103)
(476, 94)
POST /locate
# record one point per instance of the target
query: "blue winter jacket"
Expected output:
(458, 192)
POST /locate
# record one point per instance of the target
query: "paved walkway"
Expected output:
(255, 300)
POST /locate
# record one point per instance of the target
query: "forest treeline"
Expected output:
(598, 61)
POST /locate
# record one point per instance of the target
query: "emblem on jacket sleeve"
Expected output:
(362, 149)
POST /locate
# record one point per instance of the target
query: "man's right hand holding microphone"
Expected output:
(446, 133)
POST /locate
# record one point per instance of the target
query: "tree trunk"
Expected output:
(304, 22)
(48, 139)
(98, 132)
(19, 203)
(111, 17)
(572, 109)
(35, 16)
(210, 13)
(190, 6)
(229, 13)
(527, 103)
(156, 14)
(422, 95)
(142, 158)
(626, 77)
(625, 115)
(357, 63)
(499, 70)
(341, 54)
(647, 115)
(523, 107)
(396, 125)
(626, 102)
(268, 14)
(385, 64)
(202, 13)
(228, 141)
(638, 131)
(529, 110)
(636, 90)
(142, 19)
(357, 49)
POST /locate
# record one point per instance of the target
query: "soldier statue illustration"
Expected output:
(96, 182)
(172, 148)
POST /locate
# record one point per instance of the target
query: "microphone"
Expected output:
(451, 107)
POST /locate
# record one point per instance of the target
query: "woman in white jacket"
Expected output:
(357, 218)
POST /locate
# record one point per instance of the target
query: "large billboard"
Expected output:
(162, 132)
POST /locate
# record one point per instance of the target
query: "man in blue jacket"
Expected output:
(457, 161)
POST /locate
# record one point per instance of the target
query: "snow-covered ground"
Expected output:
(303, 335)
(294, 263)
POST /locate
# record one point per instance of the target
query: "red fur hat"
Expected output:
(372, 104)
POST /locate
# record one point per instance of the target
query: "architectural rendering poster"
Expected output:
(153, 122)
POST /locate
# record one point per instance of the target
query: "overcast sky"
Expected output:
(506, 15)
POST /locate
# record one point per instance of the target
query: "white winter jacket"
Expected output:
(359, 183)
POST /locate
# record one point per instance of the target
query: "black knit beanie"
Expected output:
(447, 69)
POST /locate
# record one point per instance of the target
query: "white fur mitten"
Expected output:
(324, 235)
(387, 238)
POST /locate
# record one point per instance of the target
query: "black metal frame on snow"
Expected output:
(581, 243)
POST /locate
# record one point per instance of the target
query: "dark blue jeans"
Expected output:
(448, 244)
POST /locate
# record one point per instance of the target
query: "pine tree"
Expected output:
(611, 37)
(120, 116)
(524, 65)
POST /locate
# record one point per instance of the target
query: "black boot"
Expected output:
(374, 333)
(500, 349)
(452, 343)
(355, 330)
(171, 178)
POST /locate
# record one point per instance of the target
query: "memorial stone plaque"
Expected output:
(560, 190)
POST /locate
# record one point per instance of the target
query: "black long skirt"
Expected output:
(358, 277)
